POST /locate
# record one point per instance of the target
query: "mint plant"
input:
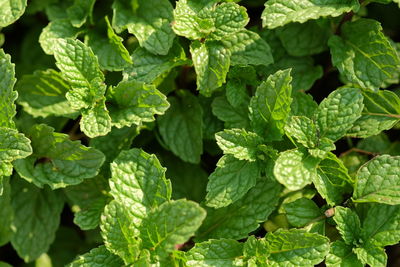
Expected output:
(199, 133)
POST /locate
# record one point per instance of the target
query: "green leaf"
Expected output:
(270, 107)
(134, 103)
(211, 62)
(302, 212)
(79, 11)
(7, 95)
(56, 160)
(280, 12)
(296, 248)
(36, 218)
(341, 255)
(13, 145)
(348, 225)
(60, 28)
(333, 179)
(231, 116)
(239, 143)
(337, 113)
(172, 223)
(256, 252)
(43, 94)
(151, 26)
(181, 127)
(381, 225)
(303, 105)
(378, 181)
(147, 67)
(373, 256)
(109, 49)
(230, 181)
(294, 169)
(381, 112)
(240, 218)
(87, 201)
(221, 252)
(96, 121)
(305, 39)
(248, 48)
(97, 257)
(6, 213)
(363, 54)
(303, 130)
(10, 11)
(80, 68)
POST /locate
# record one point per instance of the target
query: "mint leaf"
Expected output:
(239, 143)
(237, 175)
(60, 28)
(6, 213)
(211, 61)
(234, 220)
(280, 12)
(36, 218)
(303, 105)
(373, 256)
(302, 212)
(134, 103)
(294, 169)
(381, 112)
(7, 95)
(270, 107)
(79, 11)
(337, 113)
(56, 160)
(248, 48)
(181, 127)
(220, 252)
(378, 180)
(348, 224)
(231, 116)
(43, 94)
(341, 255)
(97, 257)
(303, 130)
(363, 54)
(96, 121)
(10, 11)
(13, 145)
(172, 223)
(296, 248)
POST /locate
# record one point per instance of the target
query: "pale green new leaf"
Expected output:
(36, 218)
(240, 218)
(6, 212)
(381, 112)
(248, 48)
(211, 62)
(348, 224)
(280, 12)
(270, 107)
(302, 212)
(294, 169)
(379, 181)
(43, 94)
(341, 255)
(303, 130)
(79, 11)
(97, 257)
(96, 121)
(60, 28)
(290, 248)
(172, 223)
(230, 181)
(363, 54)
(56, 160)
(13, 145)
(337, 113)
(216, 252)
(10, 11)
(239, 143)
(7, 95)
(373, 256)
(134, 103)
(181, 127)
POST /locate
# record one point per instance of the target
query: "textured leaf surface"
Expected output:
(348, 224)
(6, 213)
(373, 256)
(230, 181)
(97, 257)
(301, 212)
(79, 11)
(181, 127)
(13, 145)
(96, 121)
(240, 218)
(296, 248)
(231, 116)
(56, 160)
(281, 12)
(134, 103)
(36, 218)
(221, 252)
(10, 11)
(363, 54)
(303, 130)
(378, 181)
(7, 95)
(341, 255)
